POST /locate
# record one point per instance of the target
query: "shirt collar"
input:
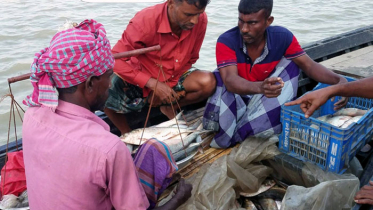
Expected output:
(266, 49)
(164, 26)
(78, 111)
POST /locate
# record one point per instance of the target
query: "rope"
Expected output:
(13, 104)
(170, 99)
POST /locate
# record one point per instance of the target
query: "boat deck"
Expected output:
(357, 64)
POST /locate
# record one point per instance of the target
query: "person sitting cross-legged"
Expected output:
(258, 69)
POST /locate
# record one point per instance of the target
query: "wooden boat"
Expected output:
(349, 54)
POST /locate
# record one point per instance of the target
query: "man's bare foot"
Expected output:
(167, 110)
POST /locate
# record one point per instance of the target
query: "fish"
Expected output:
(266, 185)
(279, 204)
(130, 147)
(324, 118)
(23, 200)
(338, 121)
(249, 205)
(351, 121)
(193, 147)
(352, 112)
(268, 204)
(172, 122)
(276, 193)
(160, 134)
(175, 144)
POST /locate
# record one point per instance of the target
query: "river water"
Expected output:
(27, 26)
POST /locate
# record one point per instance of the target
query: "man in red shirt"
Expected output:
(179, 27)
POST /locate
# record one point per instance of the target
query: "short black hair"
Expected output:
(254, 6)
(200, 4)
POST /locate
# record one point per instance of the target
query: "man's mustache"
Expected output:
(246, 34)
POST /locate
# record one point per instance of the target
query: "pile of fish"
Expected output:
(268, 197)
(344, 117)
(182, 134)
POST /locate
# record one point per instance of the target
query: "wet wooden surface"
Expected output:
(358, 63)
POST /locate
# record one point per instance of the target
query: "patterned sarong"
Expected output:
(236, 117)
(155, 166)
(125, 97)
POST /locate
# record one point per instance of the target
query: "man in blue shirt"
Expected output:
(258, 69)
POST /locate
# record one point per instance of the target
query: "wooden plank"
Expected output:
(358, 63)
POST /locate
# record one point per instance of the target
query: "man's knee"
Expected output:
(207, 82)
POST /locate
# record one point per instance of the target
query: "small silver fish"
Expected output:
(176, 144)
(268, 204)
(172, 122)
(352, 112)
(249, 205)
(351, 121)
(324, 118)
(193, 147)
(279, 204)
(161, 134)
(267, 184)
(338, 121)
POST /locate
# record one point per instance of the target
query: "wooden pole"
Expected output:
(137, 52)
(116, 56)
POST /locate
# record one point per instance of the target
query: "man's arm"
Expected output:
(183, 193)
(124, 186)
(317, 71)
(321, 74)
(129, 68)
(120, 180)
(312, 101)
(270, 87)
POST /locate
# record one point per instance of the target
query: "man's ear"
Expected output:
(270, 20)
(90, 83)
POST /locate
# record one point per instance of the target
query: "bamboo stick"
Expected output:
(116, 56)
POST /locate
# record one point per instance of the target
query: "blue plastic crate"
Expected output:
(325, 145)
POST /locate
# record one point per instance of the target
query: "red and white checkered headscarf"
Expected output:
(73, 56)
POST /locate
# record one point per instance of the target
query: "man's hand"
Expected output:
(343, 101)
(183, 191)
(271, 87)
(311, 101)
(163, 94)
(365, 195)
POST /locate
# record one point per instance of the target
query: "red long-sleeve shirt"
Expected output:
(151, 27)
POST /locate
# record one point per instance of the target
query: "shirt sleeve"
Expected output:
(123, 185)
(129, 69)
(225, 54)
(294, 50)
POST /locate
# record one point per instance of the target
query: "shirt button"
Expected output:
(177, 60)
(172, 76)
